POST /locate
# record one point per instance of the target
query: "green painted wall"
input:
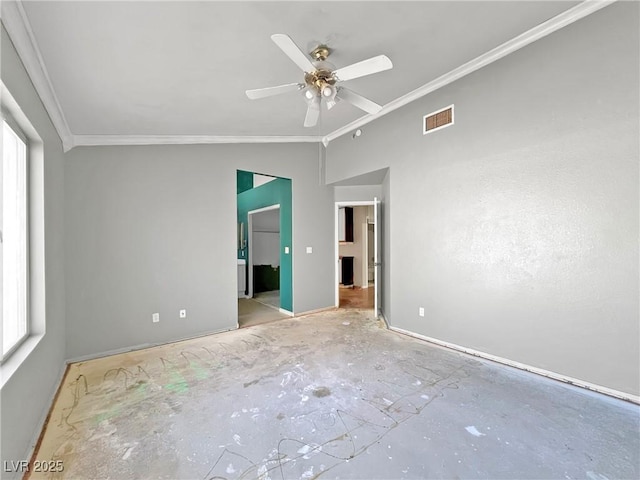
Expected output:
(275, 192)
(244, 181)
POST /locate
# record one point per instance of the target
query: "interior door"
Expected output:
(377, 257)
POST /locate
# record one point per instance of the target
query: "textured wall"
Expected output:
(517, 228)
(25, 398)
(153, 229)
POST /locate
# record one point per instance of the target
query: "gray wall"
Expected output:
(25, 398)
(357, 193)
(153, 229)
(266, 237)
(517, 228)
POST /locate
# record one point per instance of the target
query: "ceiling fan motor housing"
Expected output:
(322, 77)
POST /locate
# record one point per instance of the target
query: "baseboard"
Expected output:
(278, 309)
(143, 346)
(36, 440)
(317, 310)
(286, 312)
(522, 366)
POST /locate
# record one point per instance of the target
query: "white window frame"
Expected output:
(17, 131)
(36, 248)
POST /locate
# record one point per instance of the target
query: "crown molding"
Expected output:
(17, 24)
(19, 29)
(536, 33)
(111, 140)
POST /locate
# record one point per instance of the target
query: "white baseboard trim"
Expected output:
(522, 366)
(317, 310)
(286, 312)
(118, 351)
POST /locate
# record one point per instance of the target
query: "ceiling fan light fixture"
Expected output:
(321, 77)
(309, 94)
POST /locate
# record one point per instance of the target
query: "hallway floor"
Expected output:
(356, 297)
(330, 395)
(271, 298)
(253, 312)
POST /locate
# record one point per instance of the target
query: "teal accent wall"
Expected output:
(244, 181)
(275, 192)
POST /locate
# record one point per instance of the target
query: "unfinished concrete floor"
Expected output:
(331, 395)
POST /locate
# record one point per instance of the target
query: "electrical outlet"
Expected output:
(155, 318)
(183, 314)
(421, 311)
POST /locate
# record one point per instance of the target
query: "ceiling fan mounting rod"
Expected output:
(320, 53)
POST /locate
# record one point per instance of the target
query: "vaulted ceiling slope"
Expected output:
(176, 72)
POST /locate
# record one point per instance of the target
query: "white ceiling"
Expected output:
(181, 68)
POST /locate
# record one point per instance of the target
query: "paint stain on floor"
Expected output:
(325, 396)
(321, 392)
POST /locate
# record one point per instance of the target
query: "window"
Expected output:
(14, 237)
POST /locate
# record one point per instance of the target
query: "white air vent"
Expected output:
(437, 120)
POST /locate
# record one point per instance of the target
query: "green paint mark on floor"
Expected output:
(200, 372)
(108, 415)
(177, 384)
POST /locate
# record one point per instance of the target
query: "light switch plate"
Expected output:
(421, 311)
(286, 249)
(155, 318)
(309, 249)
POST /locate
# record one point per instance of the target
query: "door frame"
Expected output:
(336, 243)
(250, 214)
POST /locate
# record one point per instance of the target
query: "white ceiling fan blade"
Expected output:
(292, 51)
(365, 67)
(271, 91)
(332, 102)
(358, 100)
(313, 113)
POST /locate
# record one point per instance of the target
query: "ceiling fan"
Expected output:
(321, 79)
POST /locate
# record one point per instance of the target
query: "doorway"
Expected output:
(265, 273)
(357, 255)
(264, 255)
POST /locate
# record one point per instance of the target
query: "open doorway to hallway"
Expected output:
(355, 273)
(264, 248)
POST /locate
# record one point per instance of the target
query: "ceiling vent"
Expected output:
(437, 120)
